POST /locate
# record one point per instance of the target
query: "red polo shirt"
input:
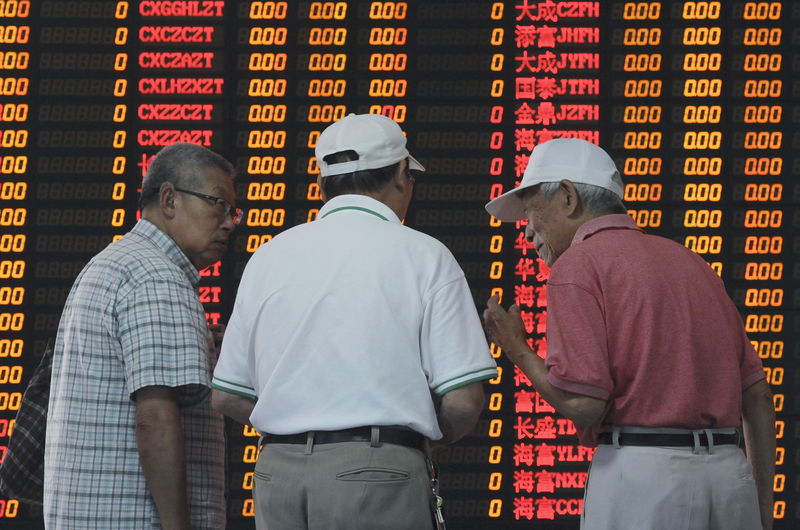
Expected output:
(644, 323)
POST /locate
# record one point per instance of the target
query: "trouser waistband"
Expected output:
(375, 435)
(620, 436)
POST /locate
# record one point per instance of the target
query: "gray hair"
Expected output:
(597, 200)
(180, 164)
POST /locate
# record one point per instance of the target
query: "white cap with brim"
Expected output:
(378, 141)
(553, 161)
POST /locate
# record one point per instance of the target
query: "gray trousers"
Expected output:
(341, 486)
(670, 488)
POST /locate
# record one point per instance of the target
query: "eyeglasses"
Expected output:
(221, 204)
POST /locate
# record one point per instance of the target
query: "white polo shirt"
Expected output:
(351, 320)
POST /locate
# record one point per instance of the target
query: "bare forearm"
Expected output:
(508, 332)
(455, 424)
(160, 441)
(758, 420)
(582, 410)
(237, 407)
(459, 411)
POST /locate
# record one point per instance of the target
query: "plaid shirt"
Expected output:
(22, 470)
(132, 319)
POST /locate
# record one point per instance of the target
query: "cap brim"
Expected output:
(414, 165)
(509, 206)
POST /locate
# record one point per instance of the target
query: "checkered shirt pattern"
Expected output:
(22, 470)
(132, 319)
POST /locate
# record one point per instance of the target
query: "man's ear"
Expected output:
(321, 190)
(166, 200)
(569, 196)
(402, 180)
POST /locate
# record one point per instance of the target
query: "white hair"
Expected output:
(597, 200)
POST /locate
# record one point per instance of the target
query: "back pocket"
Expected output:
(373, 474)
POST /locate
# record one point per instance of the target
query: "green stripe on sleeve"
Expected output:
(462, 380)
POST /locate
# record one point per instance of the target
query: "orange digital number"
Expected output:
(702, 166)
(763, 140)
(702, 36)
(642, 114)
(388, 62)
(266, 216)
(327, 88)
(268, 36)
(268, 10)
(266, 165)
(646, 218)
(327, 10)
(704, 244)
(327, 36)
(643, 166)
(702, 192)
(702, 62)
(266, 114)
(11, 296)
(762, 11)
(255, 241)
(641, 11)
(763, 192)
(267, 62)
(763, 218)
(763, 245)
(266, 191)
(326, 113)
(700, 10)
(266, 139)
(702, 218)
(643, 192)
(388, 36)
(390, 10)
(642, 37)
(768, 349)
(763, 88)
(763, 113)
(702, 140)
(14, 112)
(643, 88)
(763, 323)
(267, 88)
(326, 62)
(762, 36)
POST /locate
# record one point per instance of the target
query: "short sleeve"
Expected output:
(164, 337)
(232, 373)
(577, 350)
(452, 342)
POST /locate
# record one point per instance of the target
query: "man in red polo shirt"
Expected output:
(646, 354)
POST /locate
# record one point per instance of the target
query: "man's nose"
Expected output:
(227, 224)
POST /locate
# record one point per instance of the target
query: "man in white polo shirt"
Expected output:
(354, 339)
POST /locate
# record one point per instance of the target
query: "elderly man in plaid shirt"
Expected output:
(132, 442)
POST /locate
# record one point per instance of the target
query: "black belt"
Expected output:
(667, 440)
(391, 435)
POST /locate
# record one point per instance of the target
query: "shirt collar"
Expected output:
(153, 234)
(620, 221)
(358, 203)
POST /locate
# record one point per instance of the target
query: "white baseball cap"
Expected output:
(552, 161)
(378, 141)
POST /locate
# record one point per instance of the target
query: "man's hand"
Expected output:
(506, 329)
